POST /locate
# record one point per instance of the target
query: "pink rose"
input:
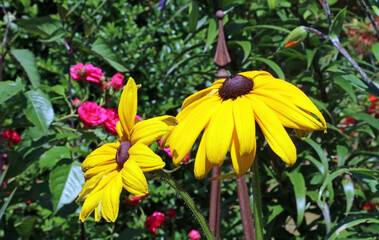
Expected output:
(107, 86)
(12, 136)
(139, 118)
(194, 235)
(111, 120)
(78, 71)
(77, 102)
(93, 74)
(134, 200)
(154, 221)
(92, 114)
(117, 81)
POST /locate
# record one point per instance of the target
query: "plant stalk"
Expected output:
(245, 209)
(257, 200)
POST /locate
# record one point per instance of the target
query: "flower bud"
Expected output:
(295, 37)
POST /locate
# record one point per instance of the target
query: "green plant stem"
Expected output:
(188, 200)
(67, 116)
(257, 202)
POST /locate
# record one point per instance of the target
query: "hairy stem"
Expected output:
(257, 199)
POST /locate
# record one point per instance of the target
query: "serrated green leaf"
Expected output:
(101, 49)
(275, 67)
(298, 183)
(348, 188)
(337, 24)
(8, 89)
(28, 62)
(351, 221)
(65, 183)
(193, 15)
(39, 110)
(52, 156)
(41, 26)
(375, 51)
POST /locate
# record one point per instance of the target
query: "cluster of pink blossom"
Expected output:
(154, 221)
(134, 200)
(11, 136)
(194, 235)
(90, 73)
(363, 38)
(349, 121)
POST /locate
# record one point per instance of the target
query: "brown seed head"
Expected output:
(235, 86)
(122, 153)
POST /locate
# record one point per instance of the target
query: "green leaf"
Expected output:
(28, 62)
(275, 67)
(369, 119)
(342, 153)
(310, 55)
(211, 33)
(271, 4)
(246, 47)
(351, 221)
(26, 226)
(346, 86)
(65, 183)
(6, 203)
(298, 183)
(375, 51)
(337, 24)
(101, 49)
(320, 153)
(52, 156)
(8, 89)
(39, 110)
(41, 26)
(348, 188)
(193, 14)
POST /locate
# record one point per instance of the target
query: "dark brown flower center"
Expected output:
(123, 153)
(235, 86)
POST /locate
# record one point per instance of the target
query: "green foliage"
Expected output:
(170, 53)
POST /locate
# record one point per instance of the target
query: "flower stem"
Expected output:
(245, 209)
(257, 202)
(188, 200)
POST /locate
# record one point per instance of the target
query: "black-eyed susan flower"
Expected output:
(114, 166)
(228, 110)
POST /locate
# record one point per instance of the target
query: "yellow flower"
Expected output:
(114, 166)
(228, 111)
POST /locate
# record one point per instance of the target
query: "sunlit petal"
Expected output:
(202, 165)
(104, 169)
(146, 159)
(200, 94)
(110, 200)
(127, 108)
(133, 179)
(103, 155)
(241, 162)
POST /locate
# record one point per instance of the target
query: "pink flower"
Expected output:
(77, 102)
(93, 74)
(92, 114)
(154, 221)
(111, 120)
(107, 86)
(139, 118)
(78, 71)
(171, 213)
(12, 136)
(117, 81)
(345, 123)
(134, 200)
(194, 235)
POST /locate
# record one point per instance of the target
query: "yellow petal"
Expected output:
(196, 96)
(274, 132)
(103, 155)
(185, 133)
(244, 125)
(269, 86)
(103, 169)
(146, 159)
(165, 143)
(88, 187)
(254, 74)
(288, 114)
(123, 135)
(219, 133)
(110, 200)
(133, 179)
(202, 165)
(127, 108)
(149, 131)
(241, 162)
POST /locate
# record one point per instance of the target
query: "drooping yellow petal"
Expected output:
(202, 165)
(104, 169)
(185, 133)
(196, 96)
(89, 186)
(103, 155)
(288, 114)
(133, 179)
(127, 108)
(244, 125)
(165, 143)
(219, 133)
(150, 130)
(146, 159)
(110, 200)
(269, 86)
(274, 132)
(241, 162)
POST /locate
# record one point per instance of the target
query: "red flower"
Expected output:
(117, 81)
(134, 200)
(77, 72)
(154, 221)
(171, 213)
(372, 98)
(345, 123)
(92, 114)
(77, 102)
(194, 235)
(93, 74)
(12, 136)
(107, 86)
(111, 120)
